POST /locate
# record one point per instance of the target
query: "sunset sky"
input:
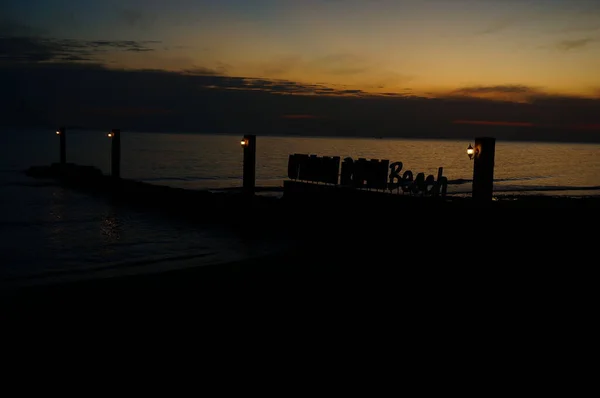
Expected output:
(500, 49)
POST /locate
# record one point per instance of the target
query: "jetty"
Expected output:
(299, 198)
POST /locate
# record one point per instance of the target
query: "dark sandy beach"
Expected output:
(348, 249)
(433, 256)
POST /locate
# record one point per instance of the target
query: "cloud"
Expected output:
(358, 92)
(523, 94)
(220, 70)
(39, 49)
(508, 88)
(501, 92)
(517, 106)
(275, 86)
(83, 94)
(127, 45)
(567, 45)
(534, 93)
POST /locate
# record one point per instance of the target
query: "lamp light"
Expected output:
(470, 151)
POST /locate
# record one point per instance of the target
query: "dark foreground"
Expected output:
(351, 254)
(428, 261)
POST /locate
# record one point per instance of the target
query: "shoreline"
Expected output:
(347, 265)
(342, 248)
(91, 180)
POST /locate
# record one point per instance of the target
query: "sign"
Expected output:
(361, 173)
(365, 174)
(314, 168)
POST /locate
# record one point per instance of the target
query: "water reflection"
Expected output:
(111, 228)
(57, 216)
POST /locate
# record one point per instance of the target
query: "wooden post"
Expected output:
(115, 157)
(249, 178)
(62, 133)
(483, 169)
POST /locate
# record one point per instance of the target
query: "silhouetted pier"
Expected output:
(194, 204)
(318, 188)
(303, 201)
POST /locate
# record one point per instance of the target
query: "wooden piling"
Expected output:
(249, 170)
(62, 133)
(483, 169)
(115, 157)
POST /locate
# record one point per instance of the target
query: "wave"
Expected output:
(256, 189)
(213, 178)
(460, 181)
(532, 178)
(124, 265)
(533, 188)
(46, 183)
(40, 223)
(544, 188)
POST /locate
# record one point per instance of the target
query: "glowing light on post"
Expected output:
(470, 151)
(248, 143)
(115, 153)
(61, 132)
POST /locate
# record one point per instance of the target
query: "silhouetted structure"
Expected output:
(366, 191)
(249, 177)
(115, 158)
(373, 174)
(483, 169)
(62, 133)
(313, 168)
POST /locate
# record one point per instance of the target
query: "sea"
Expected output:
(51, 234)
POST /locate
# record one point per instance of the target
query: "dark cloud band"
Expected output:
(39, 49)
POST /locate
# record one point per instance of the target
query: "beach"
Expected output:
(151, 243)
(491, 255)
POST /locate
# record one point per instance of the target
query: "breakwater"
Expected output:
(300, 200)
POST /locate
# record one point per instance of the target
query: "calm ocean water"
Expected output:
(47, 232)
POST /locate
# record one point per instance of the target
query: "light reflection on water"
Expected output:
(110, 228)
(48, 231)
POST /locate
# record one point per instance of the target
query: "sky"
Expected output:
(517, 51)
